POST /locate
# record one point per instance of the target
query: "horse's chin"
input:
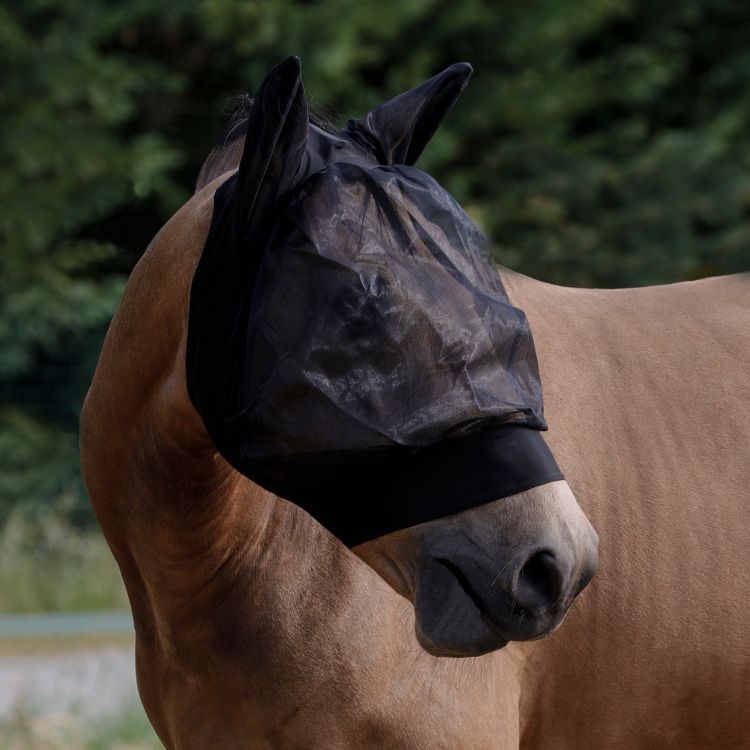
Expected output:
(452, 619)
(470, 634)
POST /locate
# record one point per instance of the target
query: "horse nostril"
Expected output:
(539, 582)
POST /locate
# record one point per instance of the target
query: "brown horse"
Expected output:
(256, 628)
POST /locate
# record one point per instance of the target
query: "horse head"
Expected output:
(326, 322)
(352, 349)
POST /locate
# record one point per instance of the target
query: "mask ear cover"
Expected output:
(397, 131)
(274, 145)
(245, 208)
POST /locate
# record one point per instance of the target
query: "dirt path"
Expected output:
(91, 682)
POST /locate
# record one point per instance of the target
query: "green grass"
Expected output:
(130, 730)
(48, 565)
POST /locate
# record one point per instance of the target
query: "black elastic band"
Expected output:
(363, 501)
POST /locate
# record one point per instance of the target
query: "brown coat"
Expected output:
(257, 629)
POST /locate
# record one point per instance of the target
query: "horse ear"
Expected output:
(274, 147)
(398, 130)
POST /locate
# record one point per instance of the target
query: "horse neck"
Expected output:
(186, 528)
(216, 568)
(166, 500)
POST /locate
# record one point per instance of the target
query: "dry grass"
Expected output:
(31, 645)
(128, 731)
(48, 565)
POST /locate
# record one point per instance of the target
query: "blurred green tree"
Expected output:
(74, 151)
(600, 143)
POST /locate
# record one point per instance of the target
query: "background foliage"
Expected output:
(600, 143)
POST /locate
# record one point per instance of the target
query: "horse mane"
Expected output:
(227, 151)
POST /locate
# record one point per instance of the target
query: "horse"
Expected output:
(257, 627)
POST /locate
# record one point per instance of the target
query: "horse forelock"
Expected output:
(227, 151)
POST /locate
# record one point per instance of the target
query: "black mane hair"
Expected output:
(227, 150)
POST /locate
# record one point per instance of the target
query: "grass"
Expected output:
(130, 730)
(48, 565)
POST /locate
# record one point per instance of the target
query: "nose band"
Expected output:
(359, 498)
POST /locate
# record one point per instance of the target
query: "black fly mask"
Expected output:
(350, 346)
